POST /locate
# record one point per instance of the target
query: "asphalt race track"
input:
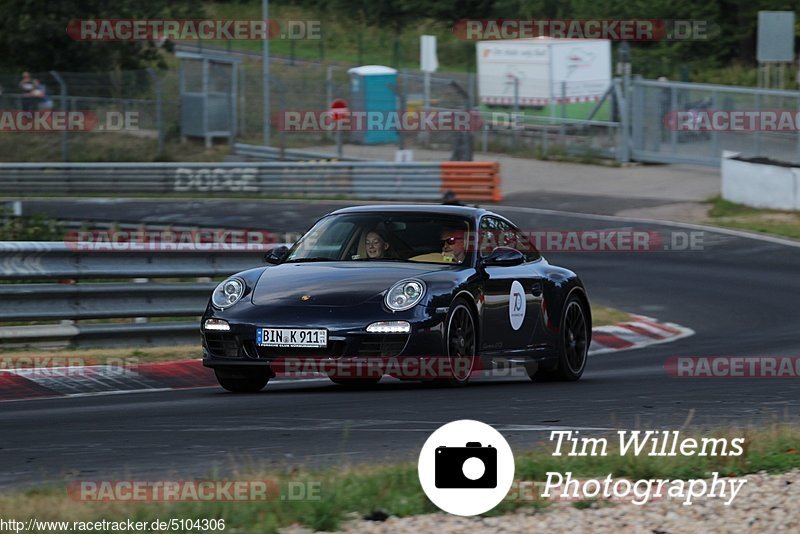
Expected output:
(738, 294)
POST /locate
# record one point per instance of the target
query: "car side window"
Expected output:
(526, 246)
(487, 236)
(495, 232)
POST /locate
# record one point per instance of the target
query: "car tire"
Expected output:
(460, 344)
(356, 383)
(241, 384)
(573, 344)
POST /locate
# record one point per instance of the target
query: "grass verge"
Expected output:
(348, 492)
(775, 222)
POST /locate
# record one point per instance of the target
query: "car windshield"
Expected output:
(415, 237)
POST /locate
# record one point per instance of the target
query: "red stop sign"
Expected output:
(339, 110)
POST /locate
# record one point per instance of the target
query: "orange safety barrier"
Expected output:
(472, 180)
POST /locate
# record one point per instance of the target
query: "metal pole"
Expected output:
(673, 107)
(64, 105)
(797, 142)
(329, 92)
(715, 134)
(424, 135)
(242, 99)
(757, 133)
(208, 141)
(234, 90)
(514, 133)
(468, 135)
(563, 110)
(401, 145)
(265, 72)
(159, 113)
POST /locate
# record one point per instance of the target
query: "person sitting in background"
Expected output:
(40, 92)
(376, 245)
(29, 101)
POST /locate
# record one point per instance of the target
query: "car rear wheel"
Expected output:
(460, 345)
(573, 344)
(239, 383)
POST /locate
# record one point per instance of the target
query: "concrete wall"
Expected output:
(759, 185)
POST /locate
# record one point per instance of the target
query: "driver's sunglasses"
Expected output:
(450, 240)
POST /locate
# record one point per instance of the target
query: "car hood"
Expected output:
(333, 283)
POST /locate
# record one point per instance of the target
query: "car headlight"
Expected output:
(227, 293)
(405, 294)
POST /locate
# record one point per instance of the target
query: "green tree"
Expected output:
(34, 37)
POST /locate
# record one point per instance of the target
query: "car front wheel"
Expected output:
(460, 345)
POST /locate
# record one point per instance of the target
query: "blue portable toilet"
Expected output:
(373, 89)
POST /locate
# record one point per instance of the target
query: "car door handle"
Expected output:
(536, 289)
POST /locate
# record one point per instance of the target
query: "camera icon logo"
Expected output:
(466, 467)
(472, 466)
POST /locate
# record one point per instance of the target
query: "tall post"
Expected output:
(563, 110)
(424, 135)
(514, 132)
(468, 135)
(209, 142)
(234, 90)
(265, 71)
(328, 92)
(624, 70)
(159, 112)
(64, 107)
(242, 99)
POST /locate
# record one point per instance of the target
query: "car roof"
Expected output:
(439, 209)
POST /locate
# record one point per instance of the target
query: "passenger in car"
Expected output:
(377, 245)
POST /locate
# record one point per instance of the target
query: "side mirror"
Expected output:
(276, 255)
(504, 257)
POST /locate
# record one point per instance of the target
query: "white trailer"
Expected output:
(549, 71)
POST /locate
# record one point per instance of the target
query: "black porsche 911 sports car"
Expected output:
(424, 292)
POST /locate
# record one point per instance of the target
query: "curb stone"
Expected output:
(40, 383)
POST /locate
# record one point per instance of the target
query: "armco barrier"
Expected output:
(363, 180)
(269, 153)
(55, 281)
(472, 180)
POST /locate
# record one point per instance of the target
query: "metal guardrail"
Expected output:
(42, 260)
(272, 153)
(367, 180)
(72, 290)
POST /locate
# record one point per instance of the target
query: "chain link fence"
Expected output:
(153, 100)
(671, 122)
(125, 115)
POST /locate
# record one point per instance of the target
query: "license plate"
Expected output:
(292, 337)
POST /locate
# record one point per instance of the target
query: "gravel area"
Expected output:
(766, 503)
